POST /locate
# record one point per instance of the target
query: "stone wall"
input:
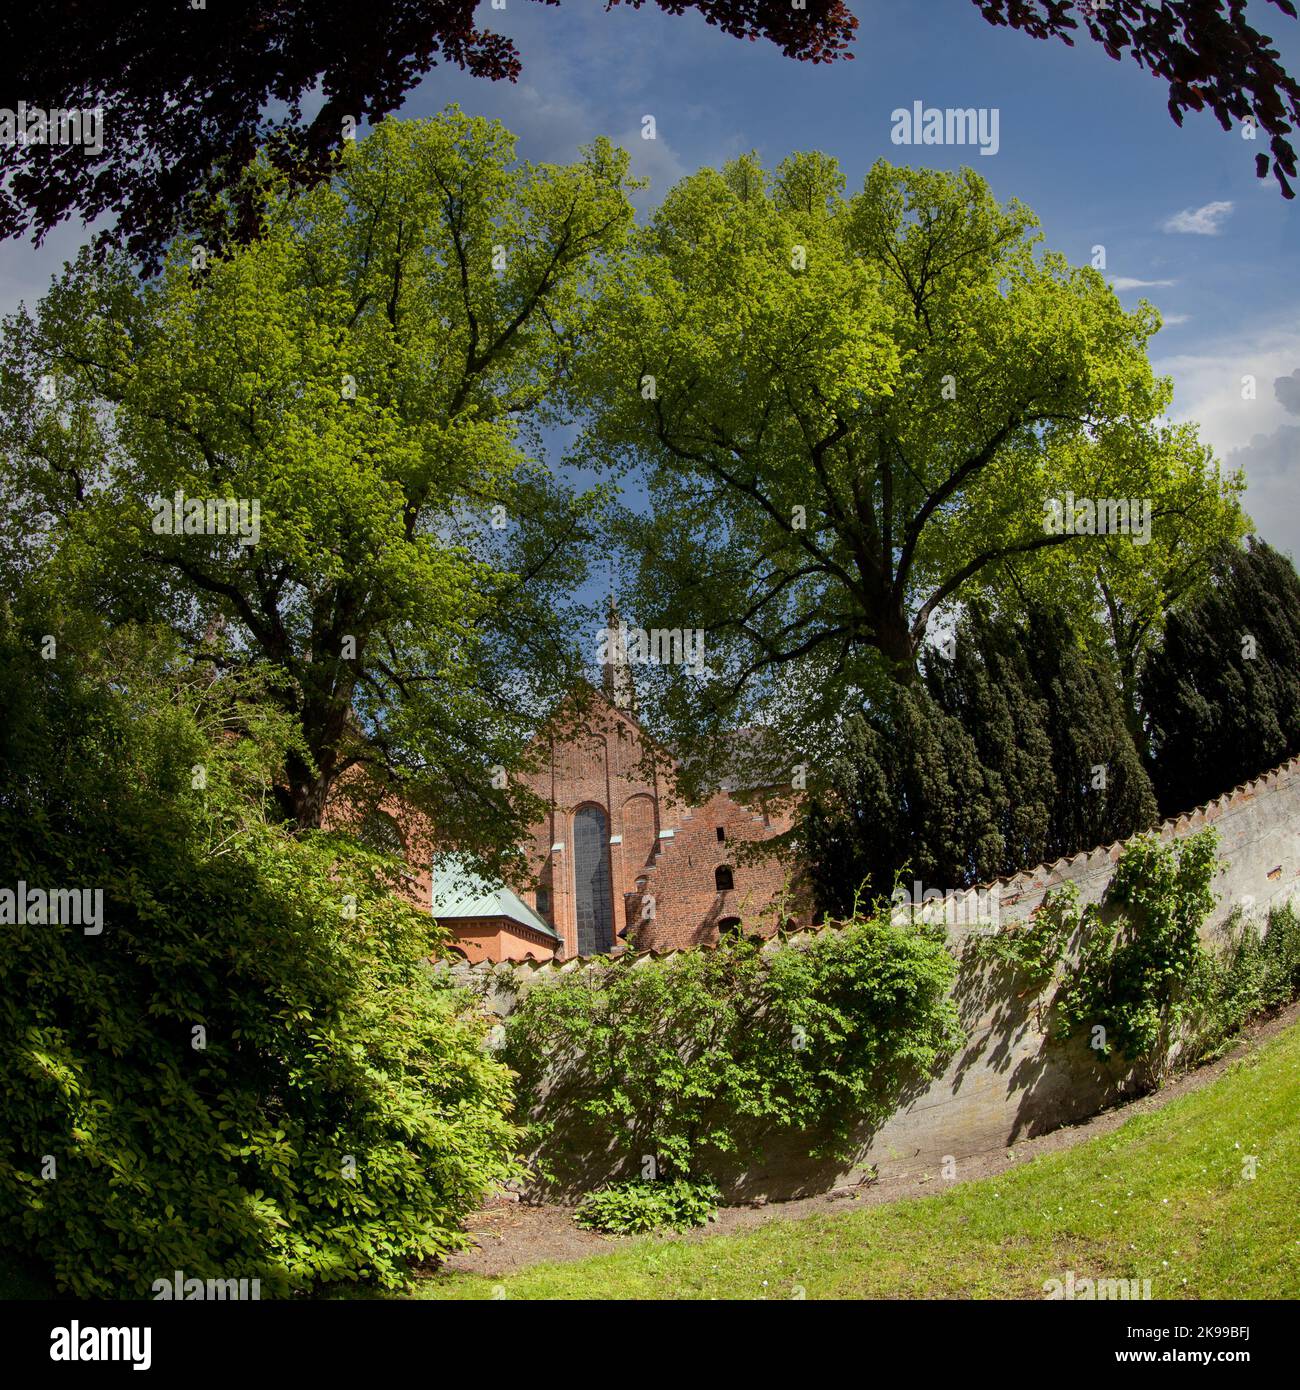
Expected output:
(1008, 1081)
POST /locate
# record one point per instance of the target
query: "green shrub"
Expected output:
(705, 1053)
(1254, 975)
(631, 1207)
(1143, 978)
(1276, 958)
(251, 1072)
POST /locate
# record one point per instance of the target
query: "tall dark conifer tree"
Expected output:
(1013, 752)
(1221, 695)
(908, 795)
(1103, 792)
(989, 689)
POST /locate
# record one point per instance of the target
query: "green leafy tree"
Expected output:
(368, 373)
(850, 415)
(246, 1068)
(1221, 692)
(1121, 601)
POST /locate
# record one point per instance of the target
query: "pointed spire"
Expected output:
(616, 678)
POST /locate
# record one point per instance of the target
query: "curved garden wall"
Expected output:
(1010, 1079)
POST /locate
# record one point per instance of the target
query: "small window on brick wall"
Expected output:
(722, 833)
(544, 902)
(723, 877)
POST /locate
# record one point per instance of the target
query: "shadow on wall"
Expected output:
(1010, 1079)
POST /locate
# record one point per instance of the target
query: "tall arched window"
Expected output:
(380, 832)
(592, 891)
(722, 877)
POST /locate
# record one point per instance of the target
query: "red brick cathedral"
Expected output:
(619, 860)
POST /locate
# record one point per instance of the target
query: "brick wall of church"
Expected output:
(682, 879)
(498, 939)
(658, 846)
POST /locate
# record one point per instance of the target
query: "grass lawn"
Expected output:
(1165, 1197)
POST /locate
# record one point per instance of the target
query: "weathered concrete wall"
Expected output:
(1259, 843)
(1009, 1080)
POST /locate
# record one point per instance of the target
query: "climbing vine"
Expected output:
(1036, 948)
(1143, 978)
(1144, 984)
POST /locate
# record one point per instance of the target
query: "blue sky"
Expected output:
(1084, 141)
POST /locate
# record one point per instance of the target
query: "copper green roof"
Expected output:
(459, 892)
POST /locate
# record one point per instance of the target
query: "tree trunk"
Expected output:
(326, 723)
(893, 638)
(307, 795)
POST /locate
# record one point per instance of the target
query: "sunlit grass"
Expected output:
(1166, 1197)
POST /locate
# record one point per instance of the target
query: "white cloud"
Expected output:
(1271, 463)
(1202, 221)
(1257, 435)
(1173, 320)
(1127, 282)
(1209, 386)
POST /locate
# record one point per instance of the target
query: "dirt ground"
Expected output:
(512, 1235)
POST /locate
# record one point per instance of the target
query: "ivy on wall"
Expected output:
(1144, 984)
